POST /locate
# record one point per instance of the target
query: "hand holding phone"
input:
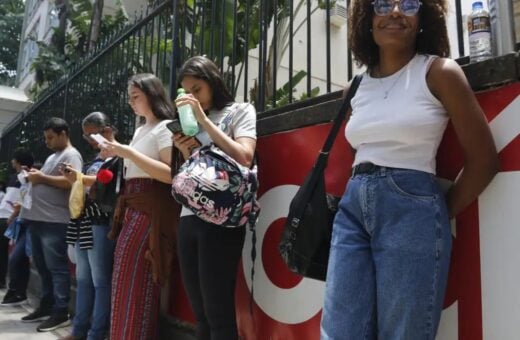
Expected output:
(64, 167)
(174, 126)
(99, 139)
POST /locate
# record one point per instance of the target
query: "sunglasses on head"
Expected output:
(407, 7)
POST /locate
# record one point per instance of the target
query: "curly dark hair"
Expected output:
(432, 40)
(153, 88)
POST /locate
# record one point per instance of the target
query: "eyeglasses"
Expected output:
(407, 7)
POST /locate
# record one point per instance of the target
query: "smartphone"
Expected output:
(99, 139)
(63, 166)
(174, 126)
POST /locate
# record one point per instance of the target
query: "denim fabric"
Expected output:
(389, 258)
(49, 251)
(19, 263)
(94, 277)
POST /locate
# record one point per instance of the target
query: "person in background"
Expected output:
(209, 254)
(47, 221)
(145, 219)
(391, 240)
(4, 242)
(94, 251)
(18, 265)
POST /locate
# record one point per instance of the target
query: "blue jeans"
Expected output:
(389, 259)
(19, 263)
(49, 253)
(94, 277)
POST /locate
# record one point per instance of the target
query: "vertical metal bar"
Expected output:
(234, 50)
(158, 65)
(109, 75)
(246, 54)
(139, 48)
(126, 50)
(175, 49)
(166, 23)
(222, 36)
(262, 58)
(145, 63)
(275, 51)
(308, 48)
(193, 27)
(151, 23)
(213, 23)
(327, 49)
(158, 71)
(202, 27)
(349, 54)
(291, 51)
(182, 39)
(460, 30)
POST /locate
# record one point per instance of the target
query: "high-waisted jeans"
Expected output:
(389, 258)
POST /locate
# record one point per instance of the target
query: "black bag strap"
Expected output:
(321, 163)
(342, 114)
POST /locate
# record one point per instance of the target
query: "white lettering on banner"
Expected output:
(291, 306)
(500, 256)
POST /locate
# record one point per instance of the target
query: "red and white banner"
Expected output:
(483, 298)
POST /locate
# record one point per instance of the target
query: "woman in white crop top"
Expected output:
(391, 238)
(145, 242)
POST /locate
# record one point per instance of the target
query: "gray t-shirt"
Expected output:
(51, 204)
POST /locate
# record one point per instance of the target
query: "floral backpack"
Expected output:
(216, 188)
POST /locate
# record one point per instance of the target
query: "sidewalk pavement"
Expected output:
(11, 328)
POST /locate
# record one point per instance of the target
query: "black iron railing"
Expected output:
(265, 49)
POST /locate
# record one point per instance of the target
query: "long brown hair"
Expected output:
(433, 39)
(153, 88)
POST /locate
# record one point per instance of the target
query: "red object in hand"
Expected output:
(104, 176)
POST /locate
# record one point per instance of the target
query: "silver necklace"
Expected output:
(387, 91)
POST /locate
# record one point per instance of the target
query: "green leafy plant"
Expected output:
(11, 20)
(70, 42)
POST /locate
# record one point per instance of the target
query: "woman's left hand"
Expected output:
(117, 149)
(198, 111)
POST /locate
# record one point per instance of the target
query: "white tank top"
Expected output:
(402, 130)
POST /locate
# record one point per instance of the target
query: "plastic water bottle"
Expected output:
(479, 29)
(187, 118)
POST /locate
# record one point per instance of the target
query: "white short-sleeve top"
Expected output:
(149, 139)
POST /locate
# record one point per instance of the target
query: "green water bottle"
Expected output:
(187, 118)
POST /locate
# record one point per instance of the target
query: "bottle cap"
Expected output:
(180, 90)
(477, 5)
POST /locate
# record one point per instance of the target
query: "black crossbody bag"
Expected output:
(305, 242)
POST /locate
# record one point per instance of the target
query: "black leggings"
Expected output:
(209, 255)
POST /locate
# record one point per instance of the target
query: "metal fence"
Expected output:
(272, 53)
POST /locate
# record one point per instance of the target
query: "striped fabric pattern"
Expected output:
(80, 229)
(135, 298)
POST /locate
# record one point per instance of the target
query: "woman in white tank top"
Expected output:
(391, 240)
